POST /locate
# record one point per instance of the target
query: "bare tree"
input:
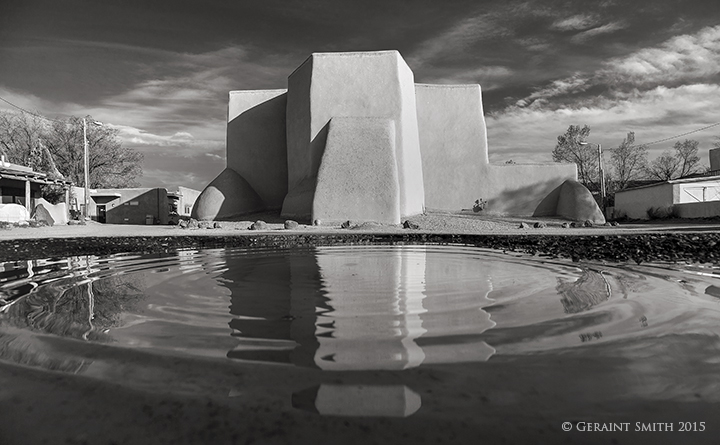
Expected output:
(22, 138)
(110, 164)
(57, 149)
(683, 162)
(569, 149)
(687, 154)
(664, 167)
(629, 161)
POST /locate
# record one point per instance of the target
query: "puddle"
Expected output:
(393, 332)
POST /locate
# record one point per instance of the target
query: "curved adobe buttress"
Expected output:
(227, 197)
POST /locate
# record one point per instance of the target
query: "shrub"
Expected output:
(662, 212)
(480, 205)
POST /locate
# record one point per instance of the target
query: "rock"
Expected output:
(193, 224)
(38, 223)
(524, 225)
(565, 225)
(317, 222)
(573, 224)
(217, 225)
(205, 224)
(40, 213)
(183, 224)
(23, 224)
(587, 223)
(539, 225)
(410, 225)
(259, 225)
(76, 222)
(615, 223)
(345, 225)
(291, 225)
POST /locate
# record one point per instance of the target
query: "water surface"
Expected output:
(440, 335)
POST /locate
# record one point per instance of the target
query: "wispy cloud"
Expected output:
(657, 92)
(654, 114)
(682, 58)
(458, 38)
(177, 109)
(490, 77)
(557, 88)
(179, 143)
(579, 22)
(189, 102)
(599, 30)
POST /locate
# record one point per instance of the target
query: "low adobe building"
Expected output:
(354, 138)
(21, 185)
(688, 197)
(697, 197)
(143, 205)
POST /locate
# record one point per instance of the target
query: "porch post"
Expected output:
(67, 203)
(27, 196)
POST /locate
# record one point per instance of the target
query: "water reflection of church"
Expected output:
(335, 308)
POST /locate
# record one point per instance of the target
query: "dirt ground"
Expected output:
(432, 222)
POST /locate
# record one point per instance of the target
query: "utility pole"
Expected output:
(603, 193)
(87, 163)
(87, 167)
(602, 175)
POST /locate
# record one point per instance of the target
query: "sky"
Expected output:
(159, 71)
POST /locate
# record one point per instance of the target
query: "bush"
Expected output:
(480, 205)
(662, 212)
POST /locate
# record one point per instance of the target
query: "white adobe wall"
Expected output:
(256, 144)
(453, 144)
(634, 203)
(364, 84)
(358, 175)
(454, 147)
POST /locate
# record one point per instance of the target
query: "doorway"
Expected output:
(101, 213)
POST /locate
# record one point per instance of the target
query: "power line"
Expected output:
(677, 136)
(30, 112)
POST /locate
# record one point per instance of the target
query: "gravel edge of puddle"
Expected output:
(644, 247)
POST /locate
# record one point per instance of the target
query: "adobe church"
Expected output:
(353, 137)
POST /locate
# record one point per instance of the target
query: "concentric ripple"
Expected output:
(344, 308)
